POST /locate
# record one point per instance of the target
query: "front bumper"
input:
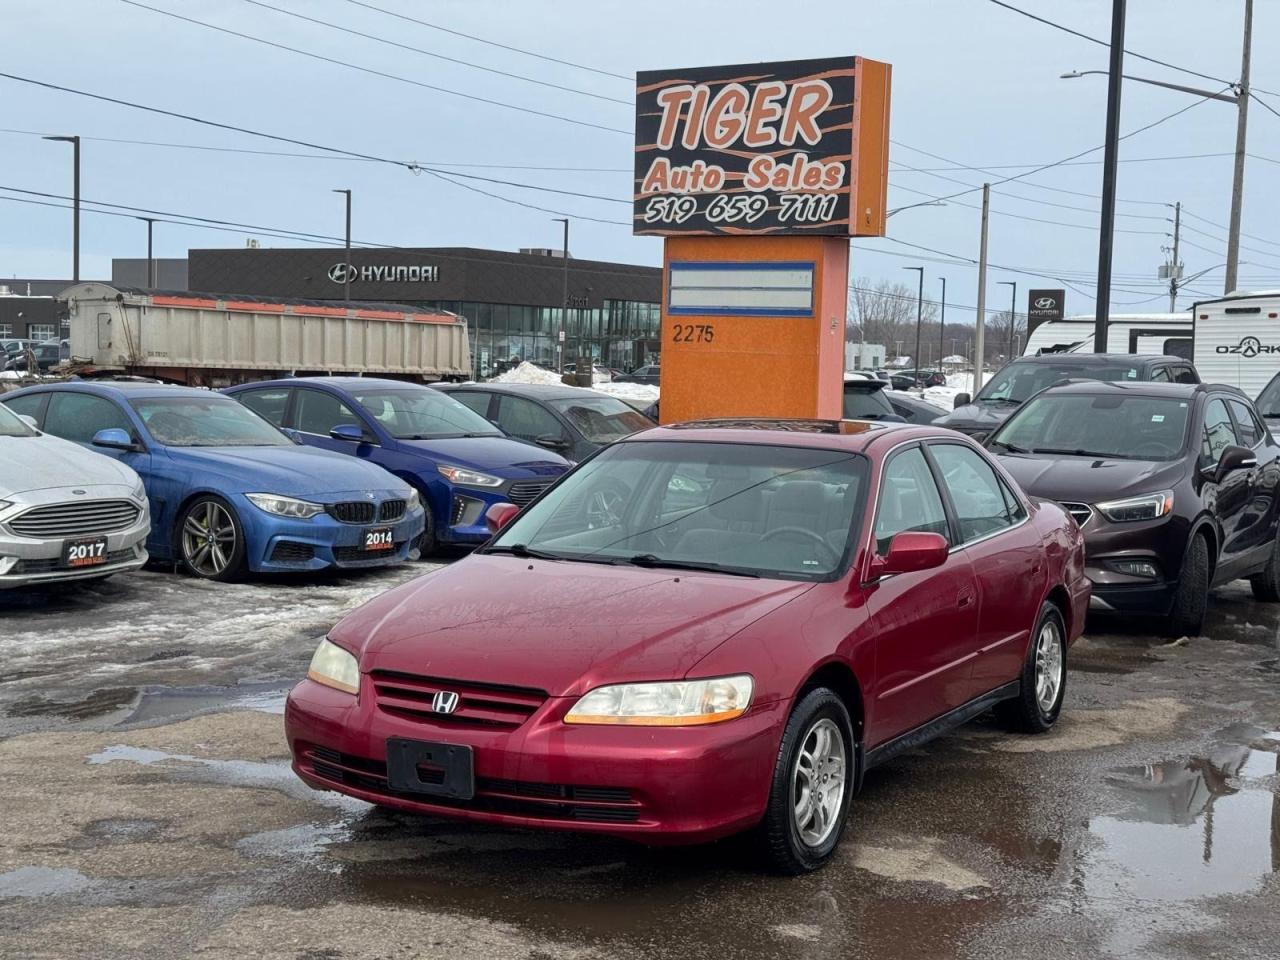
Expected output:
(660, 785)
(1155, 599)
(281, 545)
(28, 562)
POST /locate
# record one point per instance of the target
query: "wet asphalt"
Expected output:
(147, 810)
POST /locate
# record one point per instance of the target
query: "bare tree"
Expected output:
(883, 312)
(1006, 336)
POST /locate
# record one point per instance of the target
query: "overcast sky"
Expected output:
(972, 83)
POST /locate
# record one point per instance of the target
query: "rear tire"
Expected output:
(427, 544)
(803, 823)
(1192, 596)
(1043, 685)
(1266, 585)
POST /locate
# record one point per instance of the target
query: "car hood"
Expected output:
(40, 462)
(293, 470)
(1090, 479)
(977, 416)
(558, 626)
(500, 456)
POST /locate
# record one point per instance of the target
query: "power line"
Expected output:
(448, 178)
(956, 165)
(376, 73)
(491, 43)
(1196, 216)
(1022, 216)
(438, 56)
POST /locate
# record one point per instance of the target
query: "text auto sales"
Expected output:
(771, 114)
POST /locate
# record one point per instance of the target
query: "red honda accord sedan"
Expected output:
(703, 629)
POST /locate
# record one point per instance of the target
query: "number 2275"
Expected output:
(693, 333)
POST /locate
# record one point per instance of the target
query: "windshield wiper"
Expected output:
(1012, 448)
(650, 560)
(1082, 453)
(998, 400)
(521, 550)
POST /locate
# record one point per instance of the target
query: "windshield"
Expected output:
(783, 512)
(421, 413)
(863, 404)
(1268, 403)
(11, 425)
(212, 421)
(1122, 427)
(602, 419)
(1019, 381)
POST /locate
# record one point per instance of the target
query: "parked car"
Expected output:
(867, 400)
(46, 355)
(12, 346)
(912, 379)
(1023, 377)
(573, 422)
(458, 461)
(228, 491)
(913, 409)
(65, 513)
(1174, 485)
(650, 373)
(1268, 405)
(771, 609)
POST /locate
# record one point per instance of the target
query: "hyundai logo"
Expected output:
(444, 701)
(343, 272)
(1045, 303)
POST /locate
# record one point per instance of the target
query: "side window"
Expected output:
(981, 507)
(1247, 428)
(320, 412)
(78, 416)
(1013, 506)
(526, 420)
(1160, 375)
(479, 402)
(32, 405)
(1218, 431)
(268, 404)
(909, 500)
(1185, 375)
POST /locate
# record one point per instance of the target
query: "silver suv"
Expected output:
(66, 513)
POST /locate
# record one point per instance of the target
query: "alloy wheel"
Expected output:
(209, 539)
(1048, 665)
(818, 782)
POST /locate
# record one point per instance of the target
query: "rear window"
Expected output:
(602, 419)
(1021, 381)
(861, 403)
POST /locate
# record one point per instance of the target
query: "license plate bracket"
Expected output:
(85, 552)
(434, 769)
(378, 538)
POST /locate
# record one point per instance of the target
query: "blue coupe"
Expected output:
(227, 490)
(459, 461)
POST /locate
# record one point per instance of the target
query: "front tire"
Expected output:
(1266, 585)
(1043, 684)
(211, 540)
(1192, 596)
(427, 543)
(812, 785)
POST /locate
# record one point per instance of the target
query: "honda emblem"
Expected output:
(444, 701)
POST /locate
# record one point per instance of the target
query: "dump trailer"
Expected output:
(217, 340)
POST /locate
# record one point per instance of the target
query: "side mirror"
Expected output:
(962, 399)
(552, 442)
(1232, 459)
(292, 434)
(499, 515)
(910, 552)
(348, 432)
(113, 438)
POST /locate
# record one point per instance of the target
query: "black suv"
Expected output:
(1020, 379)
(1175, 486)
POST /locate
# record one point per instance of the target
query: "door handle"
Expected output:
(965, 600)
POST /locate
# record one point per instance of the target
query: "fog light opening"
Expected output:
(1136, 568)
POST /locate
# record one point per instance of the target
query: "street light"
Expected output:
(564, 295)
(1013, 307)
(75, 216)
(942, 322)
(151, 263)
(346, 272)
(919, 318)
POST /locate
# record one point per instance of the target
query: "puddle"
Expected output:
(100, 701)
(306, 840)
(180, 703)
(1268, 666)
(42, 882)
(122, 829)
(1194, 827)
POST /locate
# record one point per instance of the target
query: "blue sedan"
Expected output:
(227, 490)
(459, 461)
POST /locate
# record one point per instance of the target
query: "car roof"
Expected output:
(339, 383)
(865, 383)
(536, 391)
(1113, 359)
(121, 389)
(852, 435)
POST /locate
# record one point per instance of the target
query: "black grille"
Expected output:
(75, 519)
(354, 556)
(286, 551)
(523, 491)
(392, 510)
(543, 801)
(353, 511)
(1080, 512)
(55, 563)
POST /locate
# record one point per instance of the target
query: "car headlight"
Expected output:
(334, 667)
(671, 704)
(285, 506)
(469, 478)
(1150, 506)
(413, 501)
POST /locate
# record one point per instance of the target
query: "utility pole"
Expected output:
(75, 204)
(564, 293)
(1110, 156)
(942, 323)
(346, 273)
(1175, 268)
(919, 318)
(1013, 308)
(980, 320)
(151, 263)
(1237, 185)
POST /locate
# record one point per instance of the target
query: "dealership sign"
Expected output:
(383, 273)
(799, 147)
(1045, 305)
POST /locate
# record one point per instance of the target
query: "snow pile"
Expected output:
(528, 372)
(946, 396)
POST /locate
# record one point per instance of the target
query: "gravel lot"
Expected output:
(149, 812)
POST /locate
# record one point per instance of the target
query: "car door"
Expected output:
(481, 401)
(525, 420)
(924, 623)
(1256, 525)
(1006, 555)
(1228, 500)
(316, 412)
